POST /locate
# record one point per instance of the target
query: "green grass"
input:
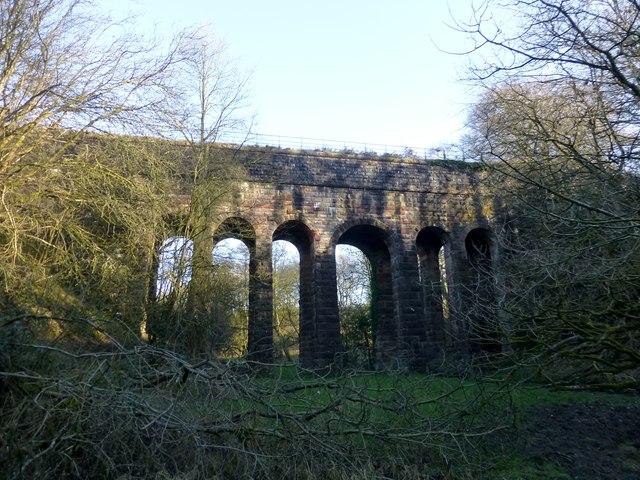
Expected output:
(502, 459)
(406, 400)
(510, 466)
(533, 396)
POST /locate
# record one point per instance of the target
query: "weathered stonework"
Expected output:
(400, 213)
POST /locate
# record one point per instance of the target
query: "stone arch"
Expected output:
(434, 261)
(481, 251)
(295, 231)
(376, 241)
(301, 236)
(480, 246)
(236, 227)
(260, 327)
(391, 237)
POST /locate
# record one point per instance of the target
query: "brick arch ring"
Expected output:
(390, 235)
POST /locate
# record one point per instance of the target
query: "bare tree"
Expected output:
(68, 198)
(558, 124)
(354, 279)
(205, 98)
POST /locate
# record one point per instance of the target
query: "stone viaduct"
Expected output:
(426, 227)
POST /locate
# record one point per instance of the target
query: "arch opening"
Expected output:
(374, 242)
(170, 292)
(297, 239)
(432, 246)
(227, 289)
(353, 277)
(229, 302)
(259, 332)
(479, 245)
(484, 327)
(174, 268)
(201, 295)
(286, 301)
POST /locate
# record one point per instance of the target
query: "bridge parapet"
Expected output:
(363, 172)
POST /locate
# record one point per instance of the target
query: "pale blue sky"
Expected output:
(354, 70)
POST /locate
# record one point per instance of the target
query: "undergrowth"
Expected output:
(102, 409)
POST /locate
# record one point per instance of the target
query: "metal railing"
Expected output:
(448, 152)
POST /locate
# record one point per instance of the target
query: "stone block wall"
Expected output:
(380, 205)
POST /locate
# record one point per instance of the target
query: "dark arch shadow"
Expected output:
(481, 247)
